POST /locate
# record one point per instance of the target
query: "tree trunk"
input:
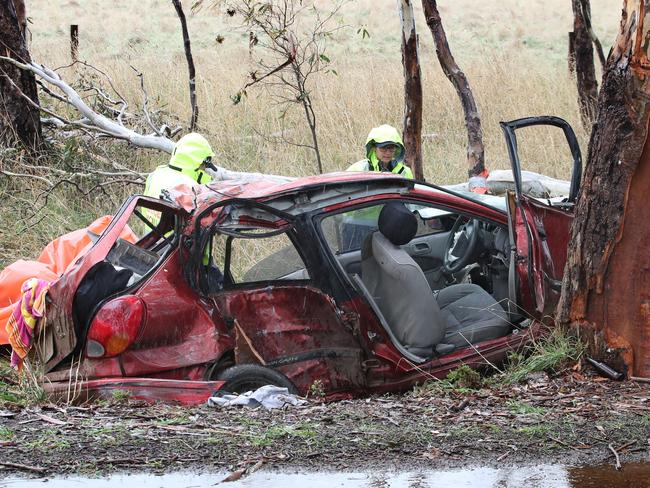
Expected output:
(412, 90)
(19, 119)
(606, 287)
(581, 57)
(475, 151)
(190, 63)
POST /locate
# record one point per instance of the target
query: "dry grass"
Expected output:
(513, 52)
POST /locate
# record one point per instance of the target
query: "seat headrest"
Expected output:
(397, 223)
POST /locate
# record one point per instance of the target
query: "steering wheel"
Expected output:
(461, 244)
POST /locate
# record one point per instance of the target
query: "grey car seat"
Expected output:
(423, 323)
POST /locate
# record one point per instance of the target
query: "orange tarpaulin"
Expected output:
(55, 259)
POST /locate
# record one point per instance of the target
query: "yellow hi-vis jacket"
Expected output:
(381, 135)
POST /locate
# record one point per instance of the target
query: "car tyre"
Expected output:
(246, 377)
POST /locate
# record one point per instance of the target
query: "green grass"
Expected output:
(473, 431)
(180, 419)
(551, 353)
(464, 377)
(462, 380)
(273, 434)
(21, 389)
(6, 434)
(121, 396)
(49, 439)
(535, 430)
(524, 408)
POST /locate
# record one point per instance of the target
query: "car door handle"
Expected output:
(421, 248)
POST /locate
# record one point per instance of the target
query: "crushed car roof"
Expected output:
(199, 197)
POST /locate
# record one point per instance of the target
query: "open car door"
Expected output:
(540, 228)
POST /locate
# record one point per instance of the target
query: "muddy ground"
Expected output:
(570, 419)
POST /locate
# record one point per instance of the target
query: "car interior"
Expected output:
(438, 280)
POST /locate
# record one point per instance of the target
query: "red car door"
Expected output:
(540, 229)
(279, 317)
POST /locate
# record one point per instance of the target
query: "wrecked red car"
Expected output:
(346, 284)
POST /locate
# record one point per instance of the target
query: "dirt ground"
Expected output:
(571, 419)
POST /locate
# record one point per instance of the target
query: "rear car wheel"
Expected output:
(246, 377)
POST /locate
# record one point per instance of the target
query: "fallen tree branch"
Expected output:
(618, 461)
(639, 380)
(145, 104)
(21, 175)
(97, 122)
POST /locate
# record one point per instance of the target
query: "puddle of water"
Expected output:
(636, 475)
(633, 475)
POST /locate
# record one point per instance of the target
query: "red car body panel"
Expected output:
(550, 229)
(61, 296)
(303, 328)
(144, 389)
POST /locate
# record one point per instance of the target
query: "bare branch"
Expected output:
(22, 175)
(100, 123)
(145, 102)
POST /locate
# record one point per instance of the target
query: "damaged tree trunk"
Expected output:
(19, 114)
(475, 152)
(412, 90)
(581, 58)
(606, 287)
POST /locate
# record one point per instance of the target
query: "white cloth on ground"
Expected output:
(268, 396)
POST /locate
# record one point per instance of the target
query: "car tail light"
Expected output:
(115, 327)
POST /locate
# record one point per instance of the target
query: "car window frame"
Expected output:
(124, 221)
(287, 227)
(230, 284)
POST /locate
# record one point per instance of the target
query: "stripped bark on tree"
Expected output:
(19, 119)
(606, 287)
(190, 63)
(475, 150)
(412, 133)
(581, 58)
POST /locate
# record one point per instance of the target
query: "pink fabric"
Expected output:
(27, 315)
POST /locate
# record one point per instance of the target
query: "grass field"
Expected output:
(513, 52)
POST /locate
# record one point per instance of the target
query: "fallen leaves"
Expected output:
(560, 416)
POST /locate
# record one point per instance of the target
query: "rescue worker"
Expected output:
(190, 158)
(384, 152)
